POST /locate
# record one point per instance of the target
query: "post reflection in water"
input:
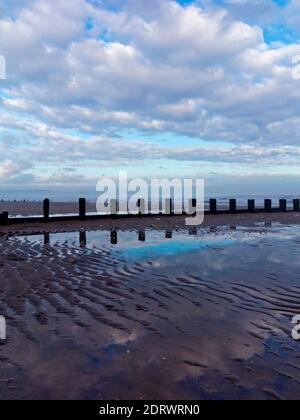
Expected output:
(114, 237)
(193, 231)
(82, 239)
(142, 236)
(169, 234)
(46, 238)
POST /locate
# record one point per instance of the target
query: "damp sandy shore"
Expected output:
(172, 314)
(165, 222)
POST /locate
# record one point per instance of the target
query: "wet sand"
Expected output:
(161, 314)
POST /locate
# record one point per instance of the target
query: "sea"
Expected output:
(73, 195)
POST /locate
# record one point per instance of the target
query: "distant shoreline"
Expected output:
(28, 208)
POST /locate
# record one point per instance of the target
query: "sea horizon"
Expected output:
(73, 195)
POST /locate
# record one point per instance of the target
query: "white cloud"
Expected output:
(9, 168)
(152, 67)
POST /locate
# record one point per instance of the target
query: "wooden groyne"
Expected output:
(213, 209)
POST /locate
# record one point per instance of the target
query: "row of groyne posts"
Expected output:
(169, 210)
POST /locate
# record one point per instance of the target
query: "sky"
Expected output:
(206, 88)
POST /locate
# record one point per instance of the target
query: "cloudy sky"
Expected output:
(156, 87)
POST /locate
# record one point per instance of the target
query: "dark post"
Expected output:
(46, 238)
(251, 206)
(296, 205)
(82, 238)
(169, 206)
(114, 237)
(192, 206)
(114, 205)
(282, 205)
(82, 208)
(169, 234)
(268, 205)
(213, 205)
(4, 218)
(232, 205)
(193, 231)
(141, 206)
(46, 209)
(142, 236)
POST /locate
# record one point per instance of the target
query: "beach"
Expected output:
(154, 310)
(120, 123)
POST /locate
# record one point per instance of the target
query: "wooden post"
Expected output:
(232, 205)
(213, 205)
(192, 206)
(113, 207)
(114, 237)
(283, 205)
(251, 206)
(141, 206)
(82, 208)
(296, 204)
(142, 236)
(46, 209)
(169, 206)
(268, 205)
